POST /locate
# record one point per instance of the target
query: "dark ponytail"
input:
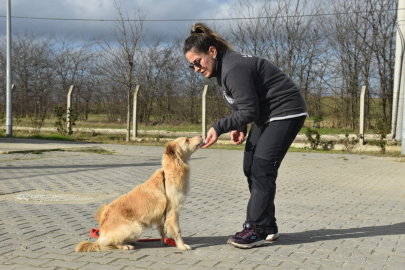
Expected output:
(202, 38)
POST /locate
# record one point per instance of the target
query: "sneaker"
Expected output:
(247, 238)
(244, 225)
(272, 237)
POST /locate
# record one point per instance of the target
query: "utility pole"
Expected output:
(9, 102)
(399, 76)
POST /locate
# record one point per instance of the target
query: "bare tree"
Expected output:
(32, 73)
(382, 19)
(88, 79)
(346, 46)
(279, 31)
(156, 62)
(69, 62)
(119, 62)
(361, 37)
(248, 35)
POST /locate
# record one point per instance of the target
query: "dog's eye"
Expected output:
(187, 140)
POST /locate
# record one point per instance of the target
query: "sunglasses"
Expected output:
(195, 64)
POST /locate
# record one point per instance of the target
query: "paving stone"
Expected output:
(209, 263)
(361, 266)
(92, 266)
(329, 268)
(66, 264)
(8, 267)
(123, 262)
(160, 265)
(65, 257)
(28, 261)
(30, 267)
(96, 260)
(202, 267)
(288, 265)
(394, 266)
(230, 265)
(8, 256)
(168, 266)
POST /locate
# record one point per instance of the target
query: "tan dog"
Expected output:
(157, 201)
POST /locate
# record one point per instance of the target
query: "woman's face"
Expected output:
(203, 62)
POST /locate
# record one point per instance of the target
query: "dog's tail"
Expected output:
(86, 246)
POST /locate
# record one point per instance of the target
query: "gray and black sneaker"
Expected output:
(243, 226)
(247, 238)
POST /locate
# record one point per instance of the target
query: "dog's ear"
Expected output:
(171, 149)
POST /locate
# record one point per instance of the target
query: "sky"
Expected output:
(104, 9)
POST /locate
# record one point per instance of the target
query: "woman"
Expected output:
(258, 92)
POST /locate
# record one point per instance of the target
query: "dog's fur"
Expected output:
(121, 223)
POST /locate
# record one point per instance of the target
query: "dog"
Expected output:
(155, 202)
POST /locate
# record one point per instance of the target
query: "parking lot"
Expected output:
(334, 210)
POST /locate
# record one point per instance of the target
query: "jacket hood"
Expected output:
(218, 65)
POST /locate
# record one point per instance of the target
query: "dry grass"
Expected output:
(153, 141)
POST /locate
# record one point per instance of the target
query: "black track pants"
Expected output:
(265, 149)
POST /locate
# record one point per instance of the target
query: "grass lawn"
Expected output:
(100, 121)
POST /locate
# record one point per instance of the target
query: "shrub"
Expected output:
(348, 144)
(382, 130)
(61, 121)
(310, 133)
(317, 121)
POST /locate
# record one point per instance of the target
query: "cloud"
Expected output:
(105, 9)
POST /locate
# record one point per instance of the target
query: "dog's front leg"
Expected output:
(161, 228)
(173, 228)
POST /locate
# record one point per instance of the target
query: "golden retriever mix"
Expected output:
(157, 201)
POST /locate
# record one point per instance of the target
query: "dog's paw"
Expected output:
(184, 247)
(127, 247)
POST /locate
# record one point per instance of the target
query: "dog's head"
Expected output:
(182, 147)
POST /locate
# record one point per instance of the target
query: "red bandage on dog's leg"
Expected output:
(95, 233)
(171, 242)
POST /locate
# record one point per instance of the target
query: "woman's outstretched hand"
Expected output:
(212, 137)
(237, 137)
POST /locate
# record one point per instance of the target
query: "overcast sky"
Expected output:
(104, 9)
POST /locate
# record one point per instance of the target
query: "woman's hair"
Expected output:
(202, 38)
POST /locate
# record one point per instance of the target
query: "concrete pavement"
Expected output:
(334, 211)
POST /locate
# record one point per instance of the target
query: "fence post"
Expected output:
(69, 101)
(362, 95)
(134, 115)
(204, 112)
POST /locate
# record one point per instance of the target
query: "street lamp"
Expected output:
(9, 103)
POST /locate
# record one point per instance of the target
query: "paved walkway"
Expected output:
(334, 211)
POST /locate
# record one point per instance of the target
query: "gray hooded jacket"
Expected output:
(255, 89)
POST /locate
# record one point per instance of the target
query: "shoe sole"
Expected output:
(255, 244)
(275, 237)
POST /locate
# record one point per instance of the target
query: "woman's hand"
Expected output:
(237, 137)
(212, 137)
